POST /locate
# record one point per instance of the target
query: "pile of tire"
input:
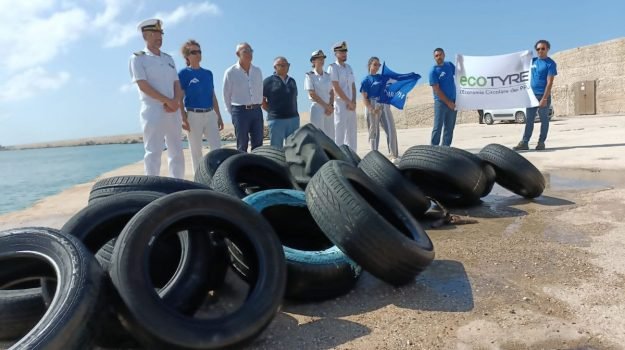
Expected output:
(145, 262)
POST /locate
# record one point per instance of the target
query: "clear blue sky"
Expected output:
(64, 64)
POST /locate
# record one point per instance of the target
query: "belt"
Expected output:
(247, 106)
(199, 110)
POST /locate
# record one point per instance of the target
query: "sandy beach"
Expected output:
(543, 273)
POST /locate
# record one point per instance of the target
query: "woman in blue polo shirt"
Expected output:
(200, 115)
(377, 113)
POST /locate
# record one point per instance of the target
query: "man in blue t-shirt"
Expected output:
(544, 70)
(444, 88)
(200, 115)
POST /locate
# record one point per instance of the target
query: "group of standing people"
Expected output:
(173, 100)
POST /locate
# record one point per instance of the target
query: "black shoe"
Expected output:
(522, 146)
(540, 146)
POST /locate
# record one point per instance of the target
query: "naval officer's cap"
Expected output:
(340, 46)
(317, 54)
(151, 25)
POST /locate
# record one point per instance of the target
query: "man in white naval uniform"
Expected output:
(344, 86)
(159, 90)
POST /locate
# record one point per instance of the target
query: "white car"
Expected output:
(516, 115)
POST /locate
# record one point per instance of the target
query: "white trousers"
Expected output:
(345, 127)
(159, 126)
(322, 121)
(202, 125)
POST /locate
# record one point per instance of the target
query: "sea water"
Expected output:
(27, 176)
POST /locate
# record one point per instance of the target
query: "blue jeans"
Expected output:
(248, 124)
(280, 129)
(530, 115)
(445, 121)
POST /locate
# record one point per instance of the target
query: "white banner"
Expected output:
(494, 82)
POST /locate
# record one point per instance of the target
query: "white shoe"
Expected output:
(394, 160)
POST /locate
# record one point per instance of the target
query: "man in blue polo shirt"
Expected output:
(444, 89)
(544, 70)
(200, 115)
(280, 102)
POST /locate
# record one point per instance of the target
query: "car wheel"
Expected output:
(519, 117)
(488, 119)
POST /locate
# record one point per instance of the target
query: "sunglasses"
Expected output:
(541, 49)
(247, 50)
(195, 52)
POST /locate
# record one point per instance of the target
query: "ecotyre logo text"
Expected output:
(494, 81)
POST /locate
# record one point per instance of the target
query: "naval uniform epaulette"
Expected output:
(139, 53)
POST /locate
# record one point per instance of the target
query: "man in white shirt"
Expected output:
(344, 86)
(159, 90)
(243, 96)
(319, 87)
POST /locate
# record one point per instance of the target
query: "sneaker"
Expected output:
(395, 160)
(540, 146)
(522, 146)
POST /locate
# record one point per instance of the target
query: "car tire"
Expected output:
(519, 117)
(351, 154)
(71, 321)
(316, 268)
(130, 183)
(243, 174)
(488, 119)
(211, 162)
(513, 171)
(273, 153)
(368, 224)
(429, 168)
(386, 174)
(155, 324)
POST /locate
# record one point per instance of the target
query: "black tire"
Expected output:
(513, 171)
(155, 324)
(180, 264)
(519, 117)
(211, 162)
(386, 174)
(451, 178)
(71, 320)
(316, 268)
(273, 153)
(368, 224)
(246, 173)
(130, 183)
(488, 119)
(488, 180)
(20, 310)
(353, 157)
(307, 149)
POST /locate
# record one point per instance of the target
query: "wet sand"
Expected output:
(530, 274)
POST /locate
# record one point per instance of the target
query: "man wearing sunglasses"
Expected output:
(544, 69)
(280, 102)
(200, 115)
(159, 90)
(243, 96)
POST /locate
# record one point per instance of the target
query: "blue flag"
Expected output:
(397, 87)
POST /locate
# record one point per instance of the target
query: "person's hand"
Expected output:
(185, 125)
(172, 104)
(168, 109)
(351, 106)
(543, 103)
(220, 124)
(329, 110)
(451, 105)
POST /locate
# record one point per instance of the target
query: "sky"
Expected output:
(64, 64)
